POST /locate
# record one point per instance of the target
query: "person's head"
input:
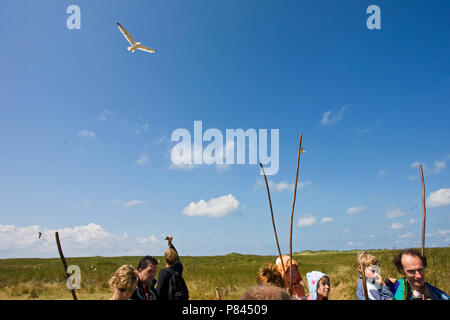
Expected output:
(265, 292)
(323, 288)
(171, 257)
(411, 264)
(124, 282)
(365, 259)
(147, 269)
(318, 285)
(269, 275)
(296, 277)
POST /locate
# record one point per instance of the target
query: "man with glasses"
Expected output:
(412, 286)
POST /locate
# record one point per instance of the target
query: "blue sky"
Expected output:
(85, 125)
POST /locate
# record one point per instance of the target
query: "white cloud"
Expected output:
(303, 184)
(444, 232)
(142, 161)
(283, 185)
(87, 240)
(139, 128)
(361, 131)
(216, 207)
(439, 198)
(353, 210)
(412, 221)
(306, 221)
(330, 117)
(86, 134)
(133, 203)
(279, 186)
(395, 213)
(327, 220)
(151, 239)
(437, 168)
(352, 243)
(396, 226)
(406, 235)
(105, 114)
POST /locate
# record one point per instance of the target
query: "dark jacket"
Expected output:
(162, 288)
(139, 293)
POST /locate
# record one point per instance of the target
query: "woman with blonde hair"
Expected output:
(124, 282)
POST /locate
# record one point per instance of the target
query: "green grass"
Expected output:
(233, 273)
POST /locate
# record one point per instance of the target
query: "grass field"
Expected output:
(44, 278)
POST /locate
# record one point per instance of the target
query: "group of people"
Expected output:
(129, 283)
(283, 282)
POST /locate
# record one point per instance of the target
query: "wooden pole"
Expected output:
(218, 296)
(424, 211)
(273, 221)
(64, 263)
(292, 212)
(363, 275)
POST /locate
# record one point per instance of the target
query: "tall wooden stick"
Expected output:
(273, 221)
(292, 212)
(64, 263)
(363, 275)
(424, 211)
(218, 296)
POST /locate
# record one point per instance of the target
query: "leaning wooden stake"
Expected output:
(64, 263)
(292, 212)
(424, 211)
(218, 296)
(273, 221)
(363, 275)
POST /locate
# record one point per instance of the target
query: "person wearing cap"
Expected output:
(318, 285)
(298, 291)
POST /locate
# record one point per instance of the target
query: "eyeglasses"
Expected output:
(421, 271)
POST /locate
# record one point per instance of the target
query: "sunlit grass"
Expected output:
(233, 274)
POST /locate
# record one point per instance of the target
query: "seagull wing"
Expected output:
(146, 49)
(126, 34)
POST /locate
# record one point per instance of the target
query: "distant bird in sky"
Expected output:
(412, 208)
(40, 235)
(134, 45)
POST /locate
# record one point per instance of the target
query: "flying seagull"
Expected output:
(134, 45)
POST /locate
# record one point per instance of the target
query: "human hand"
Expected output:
(380, 280)
(391, 280)
(169, 239)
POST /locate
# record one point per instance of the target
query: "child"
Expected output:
(376, 286)
(318, 285)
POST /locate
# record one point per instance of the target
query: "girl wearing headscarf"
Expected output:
(318, 285)
(298, 291)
